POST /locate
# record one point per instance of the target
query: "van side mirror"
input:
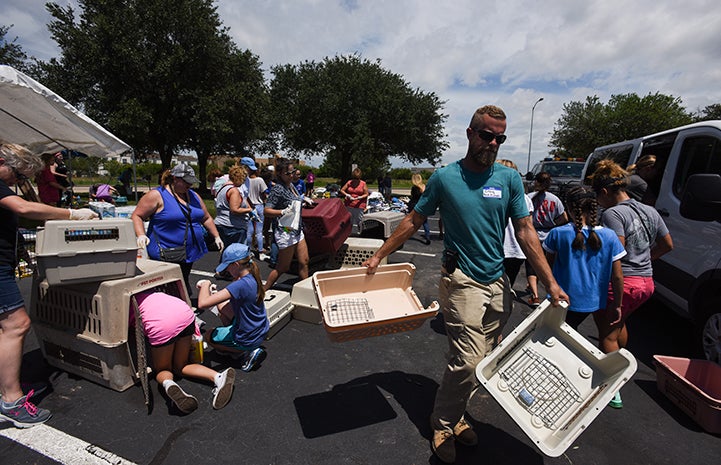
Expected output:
(529, 176)
(701, 198)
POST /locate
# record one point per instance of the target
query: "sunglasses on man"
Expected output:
(488, 136)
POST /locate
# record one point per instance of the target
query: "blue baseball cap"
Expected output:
(233, 253)
(249, 162)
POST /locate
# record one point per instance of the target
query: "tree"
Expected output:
(353, 111)
(167, 77)
(231, 115)
(585, 126)
(709, 112)
(11, 54)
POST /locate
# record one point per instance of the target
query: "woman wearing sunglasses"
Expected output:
(283, 207)
(16, 165)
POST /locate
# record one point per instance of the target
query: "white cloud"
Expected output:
(471, 53)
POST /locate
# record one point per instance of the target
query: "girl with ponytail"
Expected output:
(585, 257)
(240, 308)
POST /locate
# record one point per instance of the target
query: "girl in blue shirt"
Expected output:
(240, 307)
(585, 257)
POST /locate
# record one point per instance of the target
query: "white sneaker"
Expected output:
(184, 401)
(223, 390)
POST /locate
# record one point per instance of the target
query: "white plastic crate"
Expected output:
(278, 306)
(83, 328)
(98, 312)
(112, 367)
(357, 305)
(70, 252)
(354, 251)
(550, 380)
(388, 220)
(305, 303)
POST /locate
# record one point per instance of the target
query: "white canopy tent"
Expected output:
(36, 117)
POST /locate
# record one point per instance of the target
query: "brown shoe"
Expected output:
(464, 433)
(533, 302)
(444, 446)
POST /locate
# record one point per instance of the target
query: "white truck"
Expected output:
(688, 192)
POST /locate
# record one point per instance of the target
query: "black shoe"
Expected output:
(427, 242)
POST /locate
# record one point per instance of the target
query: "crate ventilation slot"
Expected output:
(91, 234)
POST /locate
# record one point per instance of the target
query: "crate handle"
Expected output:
(66, 254)
(433, 306)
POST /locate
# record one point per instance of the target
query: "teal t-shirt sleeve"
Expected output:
(428, 203)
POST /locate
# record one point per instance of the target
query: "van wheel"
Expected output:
(711, 337)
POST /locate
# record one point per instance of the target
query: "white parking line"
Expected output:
(62, 447)
(207, 274)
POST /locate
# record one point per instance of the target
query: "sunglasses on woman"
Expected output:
(18, 175)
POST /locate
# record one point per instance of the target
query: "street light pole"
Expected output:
(530, 137)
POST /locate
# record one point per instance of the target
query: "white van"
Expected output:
(688, 191)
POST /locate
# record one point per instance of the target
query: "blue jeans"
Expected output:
(10, 297)
(258, 226)
(231, 235)
(426, 231)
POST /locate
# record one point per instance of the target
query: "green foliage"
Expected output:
(166, 77)
(353, 111)
(229, 163)
(401, 173)
(590, 124)
(85, 166)
(11, 53)
(710, 112)
(114, 168)
(147, 172)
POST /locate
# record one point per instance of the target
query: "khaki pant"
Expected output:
(475, 315)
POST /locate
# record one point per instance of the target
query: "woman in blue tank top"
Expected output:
(177, 216)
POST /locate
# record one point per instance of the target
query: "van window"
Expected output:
(699, 155)
(618, 153)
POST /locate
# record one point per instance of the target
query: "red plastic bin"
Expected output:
(694, 386)
(326, 226)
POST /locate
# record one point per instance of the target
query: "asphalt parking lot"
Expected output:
(313, 401)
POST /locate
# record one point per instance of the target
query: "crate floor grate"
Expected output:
(540, 387)
(349, 310)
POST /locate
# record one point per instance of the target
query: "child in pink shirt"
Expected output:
(169, 324)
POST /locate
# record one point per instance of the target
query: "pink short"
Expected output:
(636, 291)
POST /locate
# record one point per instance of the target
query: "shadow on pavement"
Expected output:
(651, 389)
(360, 402)
(495, 446)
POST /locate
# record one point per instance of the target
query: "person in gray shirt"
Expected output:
(645, 238)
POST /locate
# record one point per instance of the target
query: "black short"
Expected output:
(188, 331)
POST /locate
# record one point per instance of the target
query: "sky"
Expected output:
(470, 53)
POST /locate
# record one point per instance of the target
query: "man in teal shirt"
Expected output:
(475, 197)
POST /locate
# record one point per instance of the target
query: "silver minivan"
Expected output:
(688, 193)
